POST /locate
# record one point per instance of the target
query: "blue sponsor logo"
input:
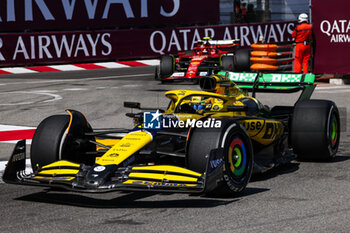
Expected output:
(215, 163)
(152, 120)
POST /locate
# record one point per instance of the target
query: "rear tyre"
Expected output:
(228, 63)
(50, 143)
(242, 60)
(166, 67)
(237, 149)
(315, 130)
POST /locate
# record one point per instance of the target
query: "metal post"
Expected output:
(310, 11)
(311, 63)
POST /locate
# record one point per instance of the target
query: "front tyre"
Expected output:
(166, 66)
(46, 144)
(52, 143)
(237, 154)
(238, 162)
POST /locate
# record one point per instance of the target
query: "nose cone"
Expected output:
(98, 175)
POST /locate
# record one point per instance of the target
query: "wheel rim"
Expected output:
(333, 129)
(237, 157)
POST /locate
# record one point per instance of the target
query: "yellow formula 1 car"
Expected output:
(204, 141)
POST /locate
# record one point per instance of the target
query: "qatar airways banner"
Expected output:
(21, 15)
(331, 27)
(69, 47)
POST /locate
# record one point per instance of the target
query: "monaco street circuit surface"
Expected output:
(297, 197)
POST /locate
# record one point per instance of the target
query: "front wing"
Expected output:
(72, 176)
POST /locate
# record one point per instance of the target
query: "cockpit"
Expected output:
(199, 104)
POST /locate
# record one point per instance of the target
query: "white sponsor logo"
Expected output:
(277, 78)
(178, 74)
(337, 30)
(208, 123)
(90, 7)
(1, 56)
(48, 47)
(99, 168)
(185, 39)
(242, 77)
(286, 78)
(155, 120)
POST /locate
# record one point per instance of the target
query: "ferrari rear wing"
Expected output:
(219, 43)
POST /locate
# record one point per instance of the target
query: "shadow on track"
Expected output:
(337, 159)
(246, 192)
(277, 171)
(158, 90)
(131, 199)
(340, 158)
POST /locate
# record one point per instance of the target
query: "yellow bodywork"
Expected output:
(58, 171)
(126, 147)
(159, 184)
(107, 142)
(215, 105)
(167, 169)
(60, 178)
(162, 177)
(208, 104)
(263, 131)
(61, 163)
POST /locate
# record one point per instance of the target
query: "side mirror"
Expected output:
(132, 105)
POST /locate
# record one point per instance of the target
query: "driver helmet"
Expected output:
(303, 18)
(198, 106)
(198, 103)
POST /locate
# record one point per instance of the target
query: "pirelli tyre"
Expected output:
(237, 149)
(315, 130)
(242, 60)
(228, 63)
(50, 143)
(166, 67)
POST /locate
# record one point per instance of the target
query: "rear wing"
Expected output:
(220, 42)
(274, 82)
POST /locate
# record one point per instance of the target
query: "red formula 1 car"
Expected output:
(206, 58)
